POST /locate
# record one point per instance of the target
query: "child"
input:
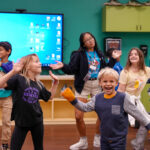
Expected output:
(118, 67)
(26, 92)
(132, 80)
(112, 108)
(5, 95)
(85, 64)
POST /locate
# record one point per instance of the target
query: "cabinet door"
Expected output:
(145, 97)
(120, 19)
(144, 16)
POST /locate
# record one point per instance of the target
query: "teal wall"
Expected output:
(79, 16)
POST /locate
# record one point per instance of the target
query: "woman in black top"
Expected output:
(85, 64)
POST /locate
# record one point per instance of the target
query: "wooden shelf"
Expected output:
(59, 110)
(60, 77)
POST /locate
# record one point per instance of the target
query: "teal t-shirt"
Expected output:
(3, 92)
(93, 58)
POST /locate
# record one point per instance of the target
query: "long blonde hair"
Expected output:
(26, 60)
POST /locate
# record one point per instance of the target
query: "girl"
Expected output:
(27, 91)
(112, 108)
(132, 80)
(85, 64)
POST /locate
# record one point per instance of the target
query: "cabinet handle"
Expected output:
(136, 27)
(140, 27)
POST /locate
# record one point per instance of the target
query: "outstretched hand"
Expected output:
(59, 65)
(68, 94)
(17, 67)
(116, 54)
(54, 77)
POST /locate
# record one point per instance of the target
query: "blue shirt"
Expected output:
(118, 68)
(91, 57)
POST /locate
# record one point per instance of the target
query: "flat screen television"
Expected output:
(33, 33)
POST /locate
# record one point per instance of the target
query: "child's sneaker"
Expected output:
(82, 144)
(96, 142)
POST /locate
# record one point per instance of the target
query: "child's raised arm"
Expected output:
(16, 69)
(55, 83)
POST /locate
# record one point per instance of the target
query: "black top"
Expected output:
(78, 66)
(26, 107)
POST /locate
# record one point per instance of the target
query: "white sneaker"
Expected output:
(82, 144)
(96, 142)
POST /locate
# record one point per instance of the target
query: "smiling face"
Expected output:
(134, 57)
(108, 84)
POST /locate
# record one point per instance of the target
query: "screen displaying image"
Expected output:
(33, 33)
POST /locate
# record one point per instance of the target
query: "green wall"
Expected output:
(79, 16)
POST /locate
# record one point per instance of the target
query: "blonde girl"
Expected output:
(132, 80)
(27, 90)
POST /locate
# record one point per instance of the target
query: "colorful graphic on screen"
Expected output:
(33, 33)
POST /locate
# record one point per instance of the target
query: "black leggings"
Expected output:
(19, 135)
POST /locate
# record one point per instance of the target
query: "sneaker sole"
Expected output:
(86, 147)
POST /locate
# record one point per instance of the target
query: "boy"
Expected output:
(112, 108)
(5, 95)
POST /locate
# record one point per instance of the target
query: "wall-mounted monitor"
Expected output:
(33, 33)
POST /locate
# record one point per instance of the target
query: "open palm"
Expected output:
(17, 67)
(116, 54)
(54, 77)
(59, 65)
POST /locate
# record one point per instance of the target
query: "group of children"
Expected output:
(112, 105)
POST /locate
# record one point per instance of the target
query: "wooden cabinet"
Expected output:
(59, 110)
(126, 19)
(144, 19)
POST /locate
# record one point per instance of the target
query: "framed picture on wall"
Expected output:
(112, 43)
